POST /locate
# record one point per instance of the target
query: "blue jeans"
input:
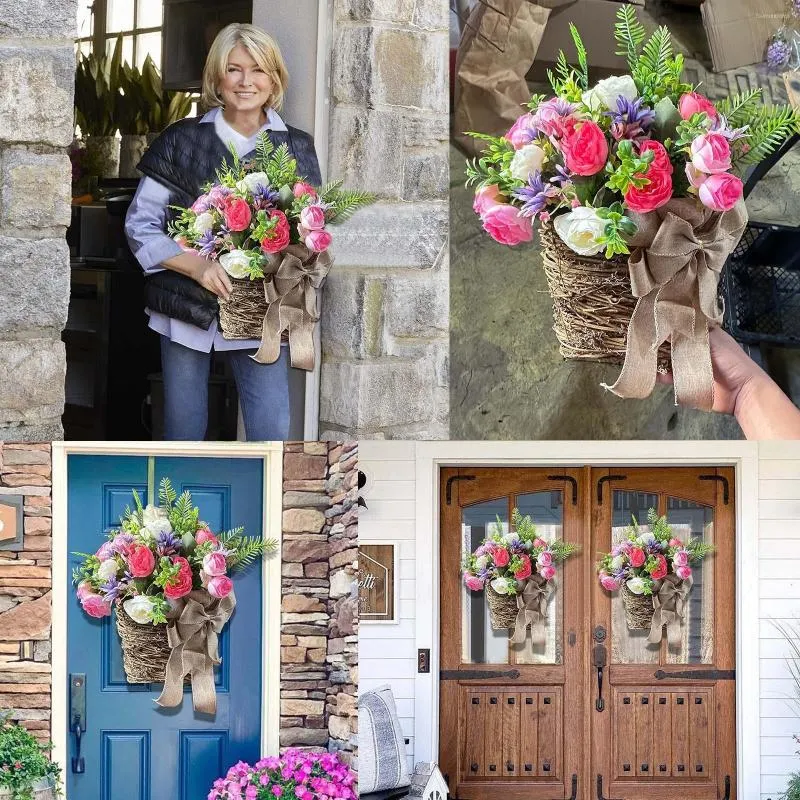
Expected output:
(263, 393)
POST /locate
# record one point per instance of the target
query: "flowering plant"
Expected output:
(295, 775)
(506, 560)
(592, 158)
(24, 764)
(258, 208)
(160, 554)
(645, 557)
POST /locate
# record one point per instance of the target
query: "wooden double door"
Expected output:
(595, 712)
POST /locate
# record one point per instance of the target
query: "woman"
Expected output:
(244, 80)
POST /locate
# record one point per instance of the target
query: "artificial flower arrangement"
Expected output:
(516, 570)
(263, 222)
(639, 165)
(653, 568)
(295, 775)
(162, 569)
(26, 771)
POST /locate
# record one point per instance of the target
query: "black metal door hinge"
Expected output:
(725, 487)
(476, 674)
(603, 480)
(571, 480)
(697, 674)
(448, 492)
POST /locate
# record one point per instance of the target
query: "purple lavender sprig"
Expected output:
(535, 195)
(207, 242)
(631, 120)
(778, 54)
(264, 197)
(167, 543)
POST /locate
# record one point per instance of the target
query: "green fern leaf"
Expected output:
(166, 493)
(739, 109)
(583, 62)
(630, 34)
(345, 203)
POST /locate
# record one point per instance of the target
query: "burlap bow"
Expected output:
(669, 603)
(291, 292)
(676, 258)
(532, 605)
(192, 632)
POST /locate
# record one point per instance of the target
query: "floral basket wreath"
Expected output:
(637, 184)
(167, 575)
(267, 227)
(517, 570)
(653, 569)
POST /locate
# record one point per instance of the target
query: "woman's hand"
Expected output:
(209, 274)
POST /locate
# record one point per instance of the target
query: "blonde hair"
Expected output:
(264, 51)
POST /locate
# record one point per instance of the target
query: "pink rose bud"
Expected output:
(220, 586)
(693, 103)
(473, 582)
(681, 558)
(609, 583)
(215, 564)
(675, 543)
(95, 606)
(205, 535)
(486, 197)
(548, 573)
(313, 218)
(539, 543)
(684, 573)
(695, 176)
(505, 225)
(711, 153)
(721, 192)
(318, 241)
(301, 188)
(545, 559)
(522, 131)
(84, 589)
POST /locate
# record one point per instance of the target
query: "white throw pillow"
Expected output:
(382, 760)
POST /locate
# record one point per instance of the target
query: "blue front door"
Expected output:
(132, 749)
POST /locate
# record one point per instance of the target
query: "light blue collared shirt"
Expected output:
(145, 227)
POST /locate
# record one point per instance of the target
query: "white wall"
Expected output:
(387, 652)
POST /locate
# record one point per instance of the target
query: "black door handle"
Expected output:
(599, 659)
(77, 704)
(727, 795)
(574, 794)
(600, 789)
(78, 765)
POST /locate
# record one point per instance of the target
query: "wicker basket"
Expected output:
(242, 316)
(638, 609)
(145, 650)
(502, 609)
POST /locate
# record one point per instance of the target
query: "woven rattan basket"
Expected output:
(638, 609)
(145, 650)
(242, 316)
(502, 609)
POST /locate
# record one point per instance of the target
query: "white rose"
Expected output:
(203, 223)
(156, 527)
(481, 562)
(108, 569)
(617, 563)
(502, 585)
(606, 92)
(252, 181)
(151, 513)
(236, 263)
(510, 538)
(646, 538)
(636, 585)
(526, 160)
(581, 230)
(139, 609)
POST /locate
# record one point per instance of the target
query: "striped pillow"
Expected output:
(381, 748)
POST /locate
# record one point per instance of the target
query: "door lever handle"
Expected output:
(599, 659)
(574, 794)
(77, 703)
(727, 788)
(78, 764)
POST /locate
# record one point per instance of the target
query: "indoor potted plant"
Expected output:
(26, 772)
(516, 570)
(161, 107)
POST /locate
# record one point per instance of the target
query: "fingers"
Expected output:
(226, 281)
(222, 287)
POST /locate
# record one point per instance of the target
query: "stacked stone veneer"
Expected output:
(386, 308)
(25, 587)
(319, 621)
(37, 68)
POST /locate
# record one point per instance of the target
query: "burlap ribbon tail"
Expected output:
(532, 611)
(193, 634)
(291, 295)
(676, 259)
(669, 603)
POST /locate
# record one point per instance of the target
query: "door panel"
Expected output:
(133, 748)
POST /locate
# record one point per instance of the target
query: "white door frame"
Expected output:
(271, 455)
(743, 456)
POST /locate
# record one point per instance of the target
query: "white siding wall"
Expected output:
(387, 652)
(779, 576)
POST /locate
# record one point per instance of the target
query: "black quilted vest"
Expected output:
(184, 157)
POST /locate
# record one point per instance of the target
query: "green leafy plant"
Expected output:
(96, 88)
(23, 761)
(793, 788)
(162, 107)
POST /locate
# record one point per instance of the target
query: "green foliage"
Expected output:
(343, 203)
(617, 227)
(769, 128)
(244, 550)
(583, 62)
(793, 788)
(630, 34)
(162, 107)
(533, 103)
(96, 89)
(630, 169)
(24, 761)
(166, 493)
(493, 165)
(688, 130)
(86, 570)
(740, 108)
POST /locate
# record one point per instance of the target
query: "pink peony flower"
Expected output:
(217, 195)
(301, 188)
(236, 212)
(659, 173)
(525, 570)
(201, 204)
(636, 556)
(105, 551)
(220, 586)
(711, 153)
(486, 197)
(215, 564)
(313, 218)
(278, 238)
(585, 148)
(675, 543)
(181, 584)
(693, 103)
(505, 225)
(608, 582)
(83, 589)
(695, 176)
(684, 573)
(95, 605)
(318, 241)
(473, 582)
(205, 535)
(721, 192)
(501, 556)
(660, 571)
(522, 132)
(681, 559)
(141, 561)
(545, 559)
(548, 117)
(548, 573)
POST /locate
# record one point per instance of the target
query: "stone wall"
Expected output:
(386, 307)
(318, 625)
(25, 587)
(37, 66)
